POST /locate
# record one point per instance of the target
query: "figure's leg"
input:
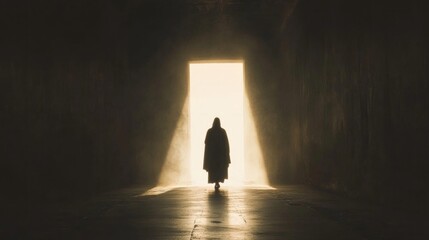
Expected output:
(217, 186)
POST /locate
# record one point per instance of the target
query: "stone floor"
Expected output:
(287, 212)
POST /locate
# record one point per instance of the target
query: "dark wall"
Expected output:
(86, 106)
(65, 118)
(356, 74)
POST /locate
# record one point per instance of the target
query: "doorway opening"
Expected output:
(216, 89)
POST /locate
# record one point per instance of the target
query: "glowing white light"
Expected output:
(217, 90)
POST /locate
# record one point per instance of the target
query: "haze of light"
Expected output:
(216, 89)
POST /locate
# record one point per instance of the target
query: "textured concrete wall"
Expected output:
(65, 119)
(357, 74)
(82, 112)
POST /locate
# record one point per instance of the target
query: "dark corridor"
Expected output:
(91, 92)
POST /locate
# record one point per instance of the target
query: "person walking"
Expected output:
(216, 154)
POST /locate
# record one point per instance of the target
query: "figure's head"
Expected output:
(216, 123)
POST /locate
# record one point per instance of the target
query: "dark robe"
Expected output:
(216, 154)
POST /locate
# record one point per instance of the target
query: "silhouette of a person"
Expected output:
(216, 154)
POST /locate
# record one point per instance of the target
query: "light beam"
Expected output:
(216, 89)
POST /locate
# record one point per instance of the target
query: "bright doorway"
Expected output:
(216, 89)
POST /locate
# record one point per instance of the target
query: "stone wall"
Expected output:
(357, 78)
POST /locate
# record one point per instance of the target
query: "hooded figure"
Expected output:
(216, 154)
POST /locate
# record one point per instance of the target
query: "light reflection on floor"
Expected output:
(157, 190)
(221, 217)
(216, 212)
(198, 212)
(163, 189)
